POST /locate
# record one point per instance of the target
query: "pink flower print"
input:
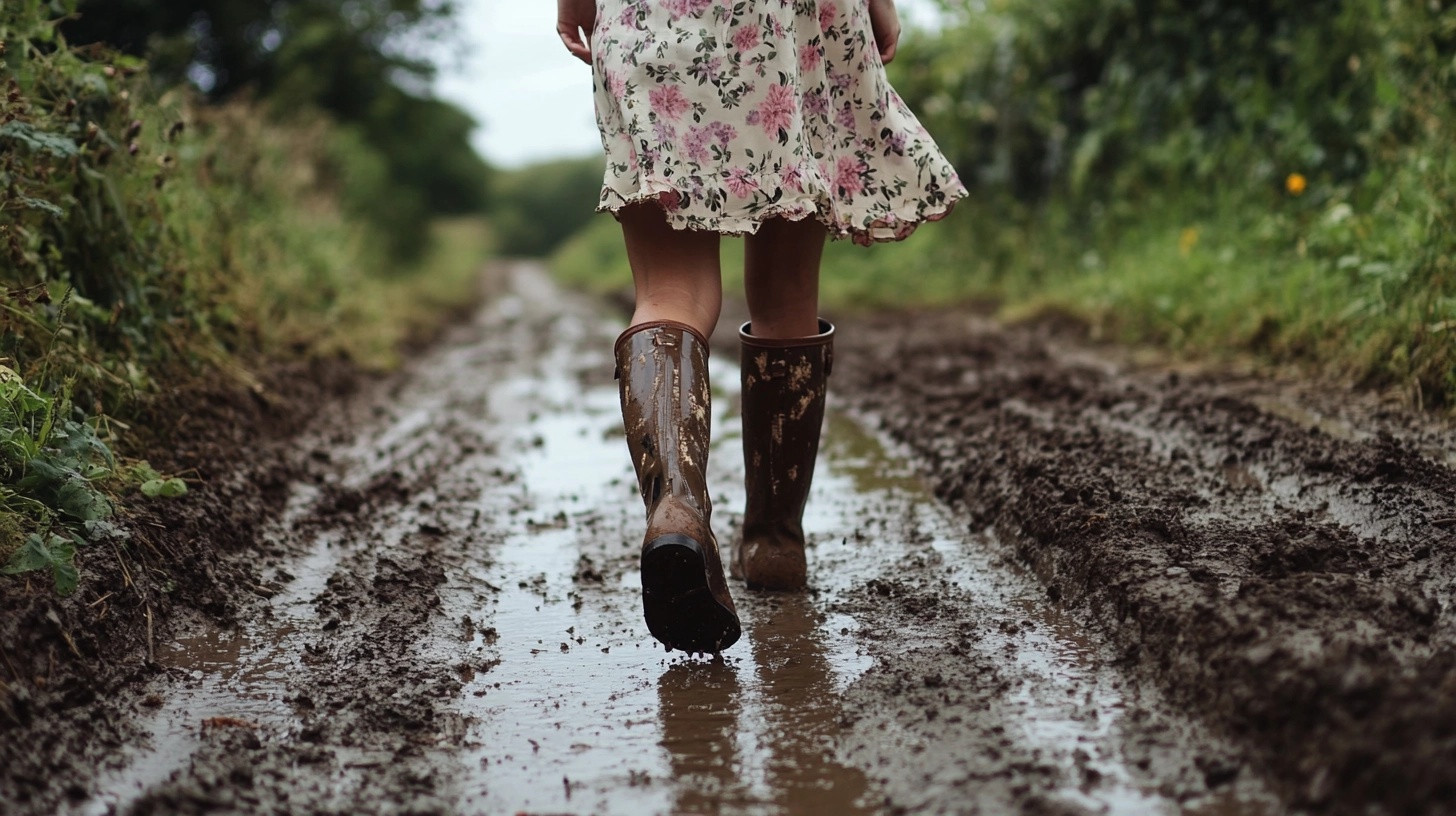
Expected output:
(707, 70)
(777, 111)
(816, 103)
(778, 29)
(792, 177)
(740, 183)
(809, 56)
(746, 38)
(686, 8)
(668, 102)
(632, 162)
(849, 176)
(699, 138)
(828, 12)
(663, 131)
(616, 85)
(845, 117)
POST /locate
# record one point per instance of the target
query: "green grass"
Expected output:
(904, 274)
(1278, 281)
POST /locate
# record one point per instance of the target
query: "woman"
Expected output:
(770, 119)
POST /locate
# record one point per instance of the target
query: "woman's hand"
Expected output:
(575, 20)
(884, 24)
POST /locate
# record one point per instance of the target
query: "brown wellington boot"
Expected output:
(783, 411)
(662, 369)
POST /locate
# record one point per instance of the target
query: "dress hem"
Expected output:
(895, 226)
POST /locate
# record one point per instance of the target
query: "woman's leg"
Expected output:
(781, 278)
(676, 273)
(787, 356)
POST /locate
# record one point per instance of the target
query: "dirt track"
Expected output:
(1239, 601)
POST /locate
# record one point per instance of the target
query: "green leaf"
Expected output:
(58, 554)
(143, 472)
(52, 143)
(164, 488)
(79, 500)
(42, 205)
(102, 530)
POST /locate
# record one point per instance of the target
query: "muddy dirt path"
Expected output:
(1138, 600)
(1280, 557)
(446, 620)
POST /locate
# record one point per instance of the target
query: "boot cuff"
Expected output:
(625, 336)
(824, 337)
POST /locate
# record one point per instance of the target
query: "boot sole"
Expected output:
(677, 602)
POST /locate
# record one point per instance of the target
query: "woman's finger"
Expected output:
(572, 39)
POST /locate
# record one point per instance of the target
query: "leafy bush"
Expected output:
(355, 60)
(1275, 177)
(148, 242)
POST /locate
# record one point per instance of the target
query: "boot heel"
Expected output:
(678, 601)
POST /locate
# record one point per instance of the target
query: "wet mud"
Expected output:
(1277, 558)
(426, 601)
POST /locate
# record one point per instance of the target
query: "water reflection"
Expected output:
(802, 707)
(792, 768)
(700, 705)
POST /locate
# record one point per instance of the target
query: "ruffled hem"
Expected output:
(896, 225)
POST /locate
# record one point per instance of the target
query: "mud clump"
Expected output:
(1272, 556)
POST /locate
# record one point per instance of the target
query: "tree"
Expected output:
(359, 60)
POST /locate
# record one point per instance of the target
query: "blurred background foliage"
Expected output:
(358, 61)
(536, 208)
(1217, 177)
(159, 237)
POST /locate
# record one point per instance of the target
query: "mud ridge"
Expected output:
(1278, 558)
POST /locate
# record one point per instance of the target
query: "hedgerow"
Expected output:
(1268, 177)
(149, 241)
(1218, 177)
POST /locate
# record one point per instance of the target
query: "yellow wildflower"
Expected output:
(1296, 184)
(1187, 240)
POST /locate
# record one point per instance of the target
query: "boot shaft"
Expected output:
(662, 370)
(784, 388)
(662, 374)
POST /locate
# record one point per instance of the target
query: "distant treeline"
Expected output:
(359, 61)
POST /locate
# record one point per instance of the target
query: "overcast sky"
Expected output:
(533, 100)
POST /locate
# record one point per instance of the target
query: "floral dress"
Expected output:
(731, 112)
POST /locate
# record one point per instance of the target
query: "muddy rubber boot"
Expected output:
(662, 372)
(784, 383)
